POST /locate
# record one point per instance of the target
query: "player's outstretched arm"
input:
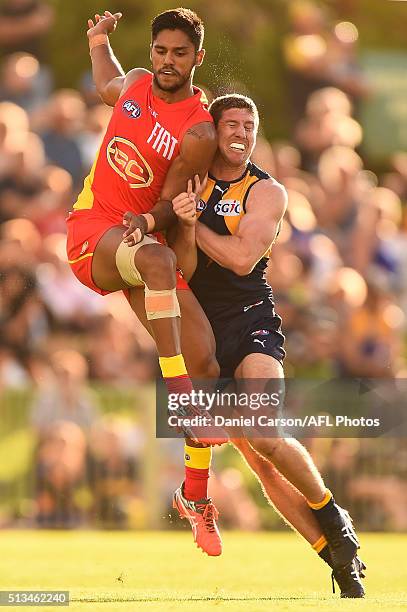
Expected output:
(108, 75)
(256, 233)
(181, 237)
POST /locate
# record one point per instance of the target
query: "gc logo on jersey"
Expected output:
(228, 208)
(125, 159)
(131, 109)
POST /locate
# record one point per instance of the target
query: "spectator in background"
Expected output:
(64, 120)
(304, 48)
(116, 354)
(318, 56)
(24, 81)
(23, 25)
(327, 122)
(376, 237)
(370, 338)
(344, 186)
(60, 470)
(12, 373)
(342, 66)
(14, 127)
(22, 189)
(90, 138)
(67, 398)
(114, 468)
(88, 90)
(396, 179)
(23, 319)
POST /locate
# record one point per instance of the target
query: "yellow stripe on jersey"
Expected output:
(72, 261)
(207, 192)
(238, 191)
(86, 198)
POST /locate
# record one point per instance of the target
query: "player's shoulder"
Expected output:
(266, 188)
(204, 130)
(135, 76)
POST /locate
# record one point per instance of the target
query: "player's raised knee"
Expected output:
(157, 265)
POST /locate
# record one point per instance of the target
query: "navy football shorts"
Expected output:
(247, 329)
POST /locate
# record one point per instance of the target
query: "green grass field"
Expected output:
(115, 571)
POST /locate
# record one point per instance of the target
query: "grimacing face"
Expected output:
(237, 131)
(173, 58)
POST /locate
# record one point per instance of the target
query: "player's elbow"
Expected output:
(243, 270)
(242, 266)
(107, 97)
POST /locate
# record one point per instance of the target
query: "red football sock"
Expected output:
(178, 384)
(197, 462)
(196, 483)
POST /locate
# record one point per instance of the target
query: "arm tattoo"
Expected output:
(195, 133)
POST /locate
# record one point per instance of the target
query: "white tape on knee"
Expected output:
(125, 261)
(161, 304)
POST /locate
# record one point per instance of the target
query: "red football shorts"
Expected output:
(85, 229)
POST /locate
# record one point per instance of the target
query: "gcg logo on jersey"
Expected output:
(132, 109)
(125, 159)
(228, 208)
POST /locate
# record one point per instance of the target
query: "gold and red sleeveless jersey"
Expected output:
(141, 141)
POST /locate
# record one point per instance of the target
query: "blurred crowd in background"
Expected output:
(338, 272)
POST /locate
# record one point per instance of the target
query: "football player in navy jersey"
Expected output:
(222, 244)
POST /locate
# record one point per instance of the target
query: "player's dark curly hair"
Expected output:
(234, 100)
(180, 19)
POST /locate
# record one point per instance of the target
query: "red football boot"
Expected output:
(202, 516)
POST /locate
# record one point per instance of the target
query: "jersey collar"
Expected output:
(220, 182)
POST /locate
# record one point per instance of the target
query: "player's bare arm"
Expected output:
(257, 230)
(181, 237)
(196, 153)
(109, 77)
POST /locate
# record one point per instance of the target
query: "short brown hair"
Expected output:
(180, 19)
(234, 100)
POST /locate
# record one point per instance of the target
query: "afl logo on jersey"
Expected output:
(200, 207)
(228, 208)
(131, 109)
(125, 159)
